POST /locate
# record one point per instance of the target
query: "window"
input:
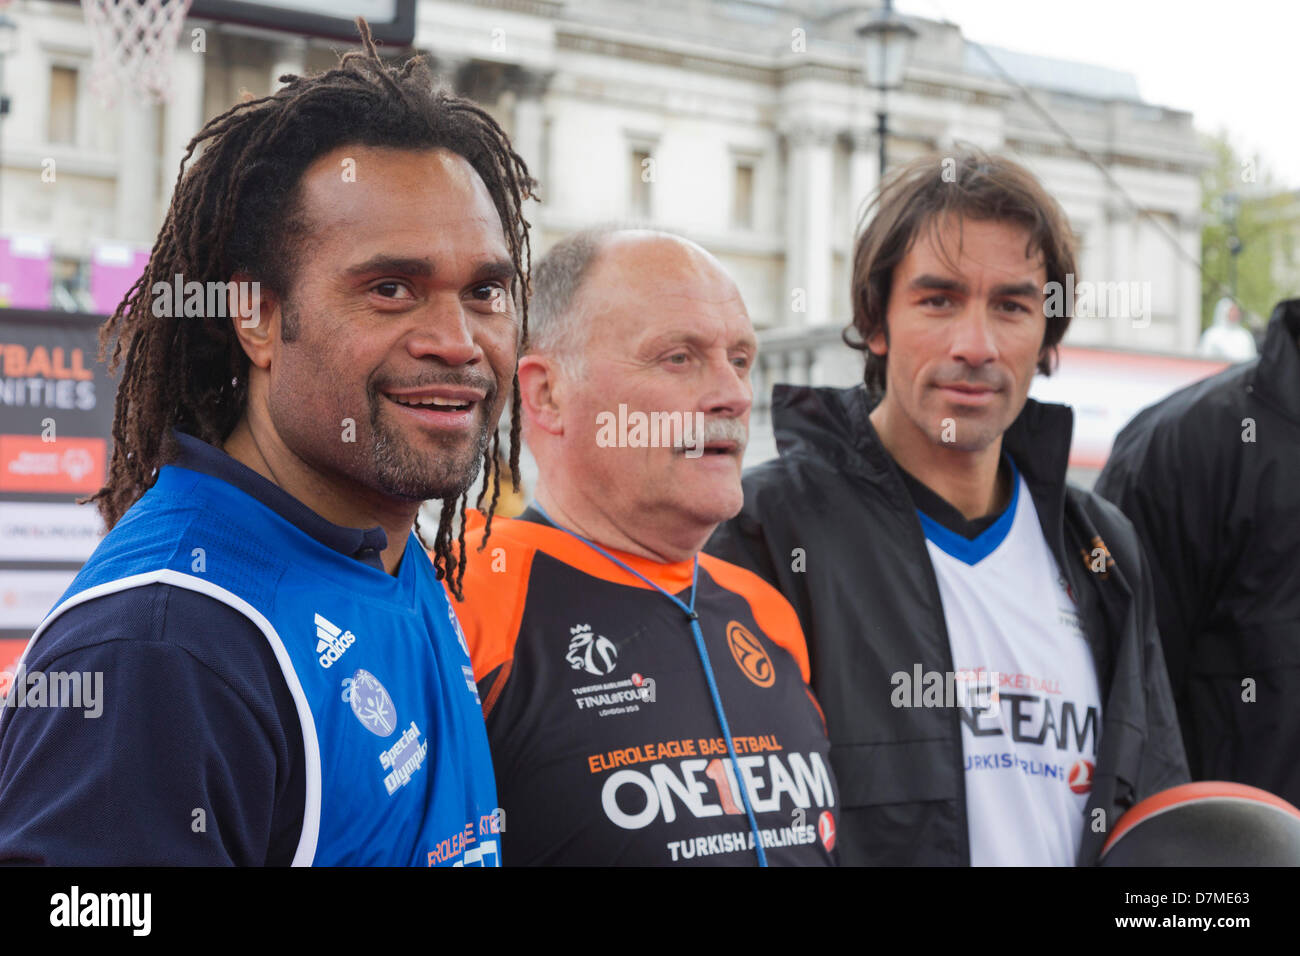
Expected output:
(742, 196)
(63, 105)
(641, 177)
(70, 285)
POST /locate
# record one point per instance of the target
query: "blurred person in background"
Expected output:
(1227, 338)
(1210, 477)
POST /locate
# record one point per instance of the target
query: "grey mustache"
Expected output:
(725, 429)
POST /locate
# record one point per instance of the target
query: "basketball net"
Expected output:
(133, 41)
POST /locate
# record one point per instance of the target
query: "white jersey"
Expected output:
(1029, 753)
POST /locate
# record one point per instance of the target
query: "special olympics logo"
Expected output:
(591, 652)
(77, 463)
(1080, 779)
(372, 705)
(750, 656)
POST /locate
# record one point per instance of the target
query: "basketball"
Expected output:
(1208, 823)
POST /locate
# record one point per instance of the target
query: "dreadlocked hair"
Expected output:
(235, 210)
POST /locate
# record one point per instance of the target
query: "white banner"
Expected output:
(40, 531)
(27, 596)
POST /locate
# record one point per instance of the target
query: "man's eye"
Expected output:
(937, 301)
(1014, 307)
(678, 358)
(489, 290)
(741, 361)
(392, 290)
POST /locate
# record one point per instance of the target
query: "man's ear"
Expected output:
(878, 343)
(255, 314)
(541, 392)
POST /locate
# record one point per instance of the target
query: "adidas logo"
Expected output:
(331, 642)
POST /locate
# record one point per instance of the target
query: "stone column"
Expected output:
(809, 194)
(1120, 236)
(528, 138)
(1187, 302)
(183, 115)
(137, 171)
(289, 56)
(864, 176)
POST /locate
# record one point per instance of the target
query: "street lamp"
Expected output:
(887, 43)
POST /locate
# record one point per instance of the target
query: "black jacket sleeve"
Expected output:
(1142, 746)
(187, 761)
(1164, 761)
(1173, 512)
(741, 542)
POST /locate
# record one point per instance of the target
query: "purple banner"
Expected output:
(25, 272)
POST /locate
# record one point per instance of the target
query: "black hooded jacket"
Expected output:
(865, 590)
(1210, 477)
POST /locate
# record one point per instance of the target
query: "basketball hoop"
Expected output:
(133, 42)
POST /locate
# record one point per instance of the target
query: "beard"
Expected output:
(403, 472)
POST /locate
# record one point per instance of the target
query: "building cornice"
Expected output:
(546, 9)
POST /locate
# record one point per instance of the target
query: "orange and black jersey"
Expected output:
(605, 741)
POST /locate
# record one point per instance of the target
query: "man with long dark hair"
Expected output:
(283, 678)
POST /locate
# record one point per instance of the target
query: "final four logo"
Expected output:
(591, 652)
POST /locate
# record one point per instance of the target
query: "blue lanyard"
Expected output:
(694, 619)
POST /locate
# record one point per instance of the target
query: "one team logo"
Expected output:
(750, 656)
(591, 652)
(372, 705)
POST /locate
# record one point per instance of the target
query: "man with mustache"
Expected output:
(283, 678)
(646, 705)
(982, 634)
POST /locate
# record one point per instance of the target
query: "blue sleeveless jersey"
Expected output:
(398, 767)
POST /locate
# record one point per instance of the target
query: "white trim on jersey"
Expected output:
(306, 851)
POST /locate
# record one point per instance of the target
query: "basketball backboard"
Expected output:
(391, 21)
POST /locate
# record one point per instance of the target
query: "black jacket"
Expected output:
(1210, 477)
(870, 606)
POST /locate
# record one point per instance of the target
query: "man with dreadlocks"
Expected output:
(283, 678)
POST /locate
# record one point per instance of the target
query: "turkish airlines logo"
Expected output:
(591, 652)
(826, 830)
(750, 656)
(1080, 779)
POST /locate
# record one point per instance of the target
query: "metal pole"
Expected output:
(882, 133)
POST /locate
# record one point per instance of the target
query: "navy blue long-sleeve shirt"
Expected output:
(197, 756)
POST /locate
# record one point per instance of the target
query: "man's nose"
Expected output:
(972, 336)
(730, 392)
(444, 331)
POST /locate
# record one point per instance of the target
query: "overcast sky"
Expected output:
(1233, 64)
